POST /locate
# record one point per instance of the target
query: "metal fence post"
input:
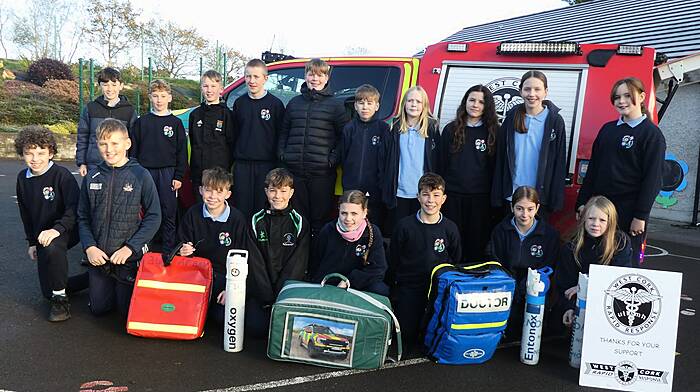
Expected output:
(150, 78)
(92, 79)
(80, 85)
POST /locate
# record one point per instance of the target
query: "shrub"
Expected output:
(44, 69)
(63, 128)
(17, 87)
(65, 90)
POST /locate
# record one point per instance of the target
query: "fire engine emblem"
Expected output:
(627, 141)
(224, 238)
(536, 250)
(265, 114)
(632, 304)
(439, 245)
(48, 193)
(506, 95)
(480, 145)
(168, 131)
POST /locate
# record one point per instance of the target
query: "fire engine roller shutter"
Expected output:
(565, 83)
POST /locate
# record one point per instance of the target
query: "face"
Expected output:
(351, 215)
(255, 79)
(211, 90)
(431, 201)
(316, 81)
(278, 197)
(113, 148)
(37, 158)
(625, 104)
(475, 105)
(414, 105)
(534, 93)
(596, 222)
(366, 108)
(525, 211)
(214, 198)
(160, 100)
(111, 90)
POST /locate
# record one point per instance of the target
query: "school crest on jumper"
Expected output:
(376, 139)
(168, 131)
(536, 250)
(360, 250)
(627, 141)
(199, 123)
(224, 238)
(128, 187)
(219, 125)
(265, 114)
(48, 193)
(480, 145)
(289, 239)
(552, 135)
(439, 245)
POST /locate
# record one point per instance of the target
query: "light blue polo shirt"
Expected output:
(221, 218)
(525, 234)
(632, 123)
(527, 150)
(411, 158)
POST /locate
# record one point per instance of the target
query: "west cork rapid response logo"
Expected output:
(627, 373)
(506, 95)
(632, 304)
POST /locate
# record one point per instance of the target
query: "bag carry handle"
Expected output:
(167, 259)
(475, 269)
(336, 275)
(397, 327)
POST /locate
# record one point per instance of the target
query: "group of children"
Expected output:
(281, 162)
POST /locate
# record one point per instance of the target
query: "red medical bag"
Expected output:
(170, 301)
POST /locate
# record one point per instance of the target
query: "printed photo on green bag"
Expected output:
(319, 339)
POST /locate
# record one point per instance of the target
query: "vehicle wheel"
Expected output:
(311, 348)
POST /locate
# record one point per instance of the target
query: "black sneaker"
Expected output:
(60, 308)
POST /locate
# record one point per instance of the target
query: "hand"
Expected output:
(578, 212)
(221, 298)
(187, 249)
(96, 256)
(176, 185)
(568, 317)
(120, 256)
(343, 284)
(83, 170)
(637, 227)
(570, 292)
(32, 252)
(46, 236)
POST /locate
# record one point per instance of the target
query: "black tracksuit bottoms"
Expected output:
(625, 214)
(313, 198)
(409, 306)
(163, 179)
(52, 266)
(472, 214)
(111, 285)
(249, 185)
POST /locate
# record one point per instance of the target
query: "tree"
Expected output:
(573, 2)
(5, 14)
(49, 29)
(174, 49)
(113, 27)
(235, 61)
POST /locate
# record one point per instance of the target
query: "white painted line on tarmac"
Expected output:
(314, 377)
(664, 252)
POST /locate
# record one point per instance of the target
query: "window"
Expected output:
(286, 83)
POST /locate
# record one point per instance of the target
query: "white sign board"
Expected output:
(629, 339)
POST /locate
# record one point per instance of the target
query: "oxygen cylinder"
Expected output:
(579, 320)
(234, 316)
(537, 287)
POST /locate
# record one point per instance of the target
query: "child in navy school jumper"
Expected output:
(420, 242)
(361, 151)
(257, 120)
(210, 132)
(281, 234)
(597, 240)
(118, 214)
(533, 134)
(108, 105)
(627, 162)
(159, 143)
(466, 155)
(212, 228)
(523, 241)
(351, 246)
(47, 197)
(409, 152)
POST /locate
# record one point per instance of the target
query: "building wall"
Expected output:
(681, 127)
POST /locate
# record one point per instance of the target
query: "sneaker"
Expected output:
(60, 308)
